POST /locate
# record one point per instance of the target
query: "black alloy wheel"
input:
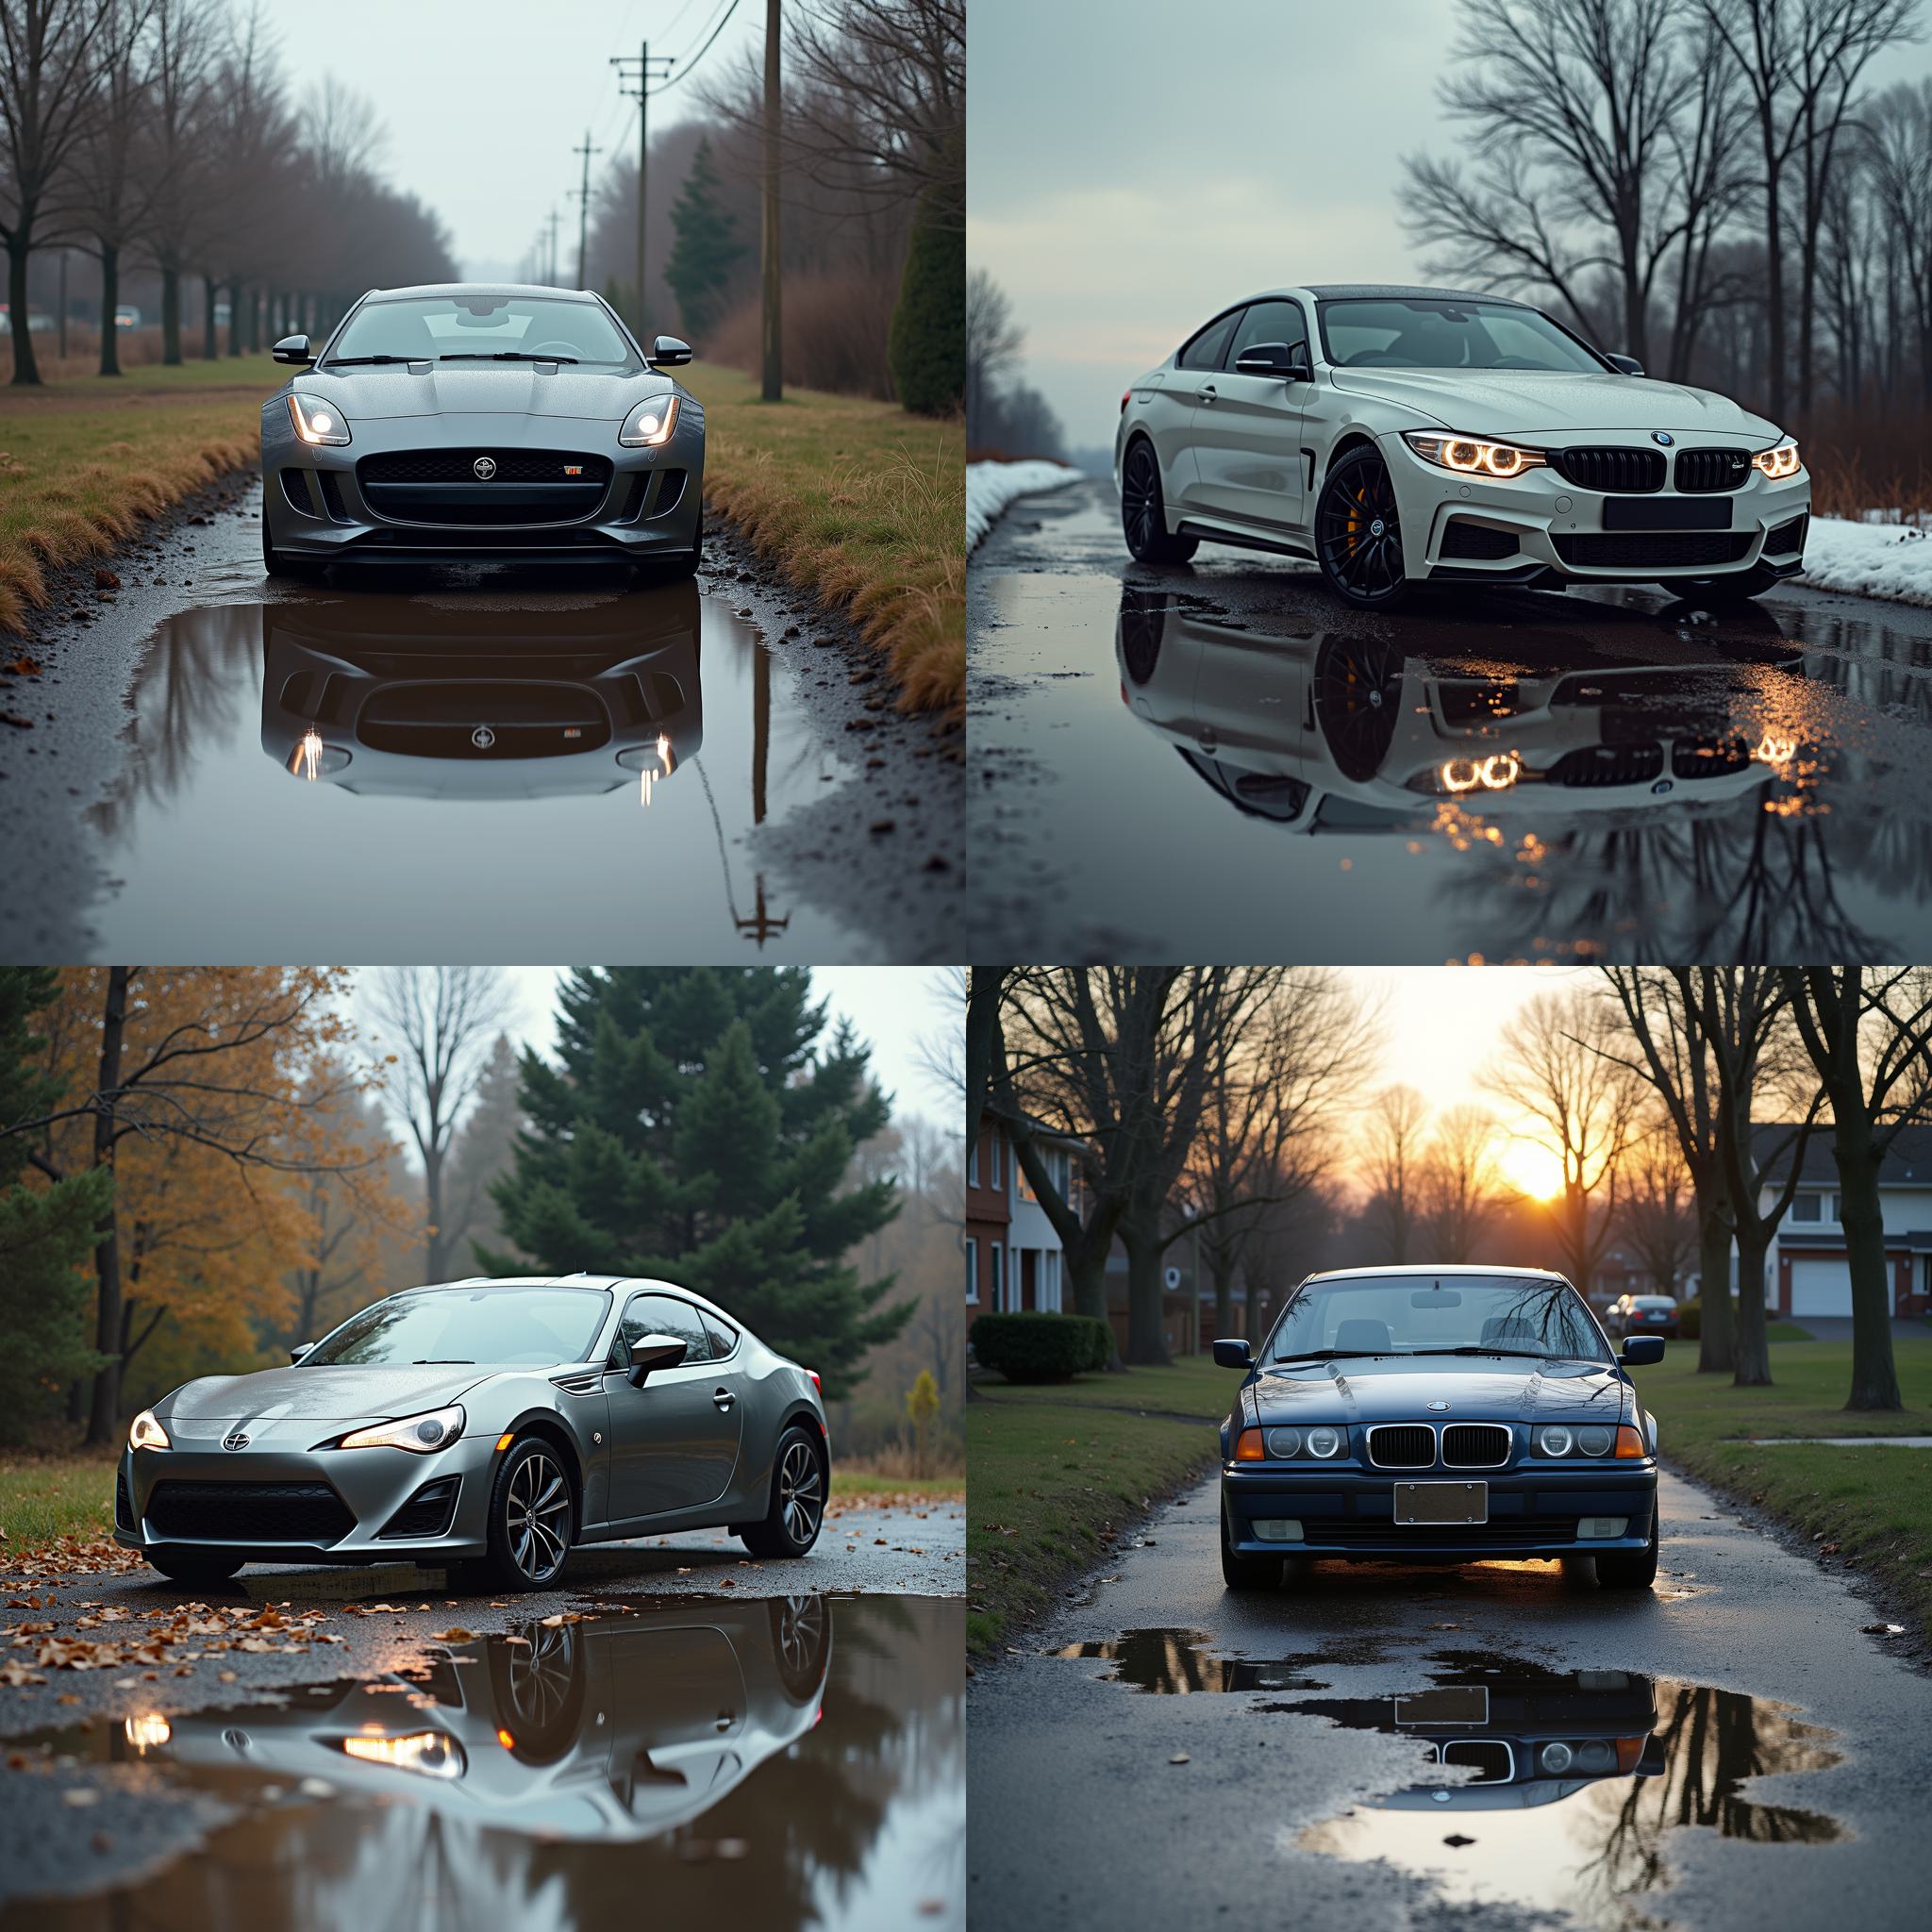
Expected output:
(1358, 702)
(1359, 532)
(799, 1482)
(1143, 511)
(531, 1510)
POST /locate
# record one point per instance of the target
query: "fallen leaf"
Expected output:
(1883, 1629)
(1180, 1757)
(1456, 1839)
(456, 1634)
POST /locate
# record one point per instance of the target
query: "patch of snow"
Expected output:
(1891, 560)
(991, 487)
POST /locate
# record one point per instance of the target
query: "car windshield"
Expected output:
(1651, 1301)
(1416, 333)
(426, 327)
(1421, 1313)
(536, 1328)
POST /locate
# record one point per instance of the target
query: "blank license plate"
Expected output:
(1442, 1502)
(1667, 513)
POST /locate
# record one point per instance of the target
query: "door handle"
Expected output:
(722, 1399)
(1205, 394)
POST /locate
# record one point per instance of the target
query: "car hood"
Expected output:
(1382, 1389)
(490, 388)
(1530, 403)
(324, 1393)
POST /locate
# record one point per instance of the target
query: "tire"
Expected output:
(1621, 1569)
(799, 1482)
(1358, 702)
(801, 1637)
(1359, 532)
(1718, 592)
(531, 1524)
(185, 1566)
(1246, 1573)
(538, 1688)
(1143, 510)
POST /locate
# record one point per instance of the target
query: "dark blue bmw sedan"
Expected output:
(1437, 1415)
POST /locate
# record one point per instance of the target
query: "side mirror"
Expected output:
(1276, 359)
(1640, 1351)
(1231, 1351)
(650, 1352)
(294, 349)
(666, 351)
(1629, 365)
(301, 1349)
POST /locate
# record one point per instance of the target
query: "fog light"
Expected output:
(1601, 1525)
(1277, 1529)
(1556, 1758)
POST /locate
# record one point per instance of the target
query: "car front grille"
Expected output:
(1653, 549)
(1591, 767)
(1402, 1445)
(1475, 1446)
(1709, 757)
(1493, 1759)
(1787, 540)
(1462, 538)
(437, 485)
(480, 721)
(1704, 472)
(248, 1512)
(1613, 471)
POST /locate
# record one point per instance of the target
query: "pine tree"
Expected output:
(926, 342)
(705, 252)
(699, 1127)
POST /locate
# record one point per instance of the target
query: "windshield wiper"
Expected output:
(1333, 1354)
(1530, 1355)
(443, 1362)
(502, 355)
(357, 361)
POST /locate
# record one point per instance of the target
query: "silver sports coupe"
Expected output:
(482, 423)
(493, 1422)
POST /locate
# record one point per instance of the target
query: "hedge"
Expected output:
(1041, 1347)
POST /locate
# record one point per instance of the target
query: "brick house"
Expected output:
(1013, 1256)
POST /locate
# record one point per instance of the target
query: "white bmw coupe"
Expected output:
(1404, 436)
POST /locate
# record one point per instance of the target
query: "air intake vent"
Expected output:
(1403, 1445)
(1463, 537)
(295, 488)
(1787, 540)
(1654, 549)
(1475, 1446)
(248, 1512)
(1616, 471)
(428, 1512)
(123, 1506)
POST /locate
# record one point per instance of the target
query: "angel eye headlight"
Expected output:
(1324, 1442)
(650, 424)
(1554, 1441)
(1471, 455)
(316, 419)
(1779, 462)
(422, 1434)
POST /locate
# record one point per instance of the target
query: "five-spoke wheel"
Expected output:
(797, 1507)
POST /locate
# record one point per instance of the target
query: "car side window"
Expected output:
(1208, 349)
(724, 1337)
(662, 1314)
(1270, 321)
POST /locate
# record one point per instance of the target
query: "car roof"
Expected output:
(454, 289)
(1438, 1269)
(1343, 291)
(612, 1283)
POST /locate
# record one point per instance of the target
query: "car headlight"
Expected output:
(650, 424)
(1325, 1442)
(317, 421)
(435, 1754)
(1779, 462)
(437, 1430)
(1555, 1441)
(1471, 455)
(1593, 1442)
(1284, 1443)
(1555, 1758)
(143, 1432)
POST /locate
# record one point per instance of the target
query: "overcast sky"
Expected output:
(1132, 167)
(485, 101)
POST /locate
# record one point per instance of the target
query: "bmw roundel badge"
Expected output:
(1662, 436)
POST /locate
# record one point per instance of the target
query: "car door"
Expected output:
(673, 1442)
(1171, 413)
(1246, 431)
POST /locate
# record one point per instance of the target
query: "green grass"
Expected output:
(1876, 1505)
(860, 1482)
(55, 1495)
(1056, 1469)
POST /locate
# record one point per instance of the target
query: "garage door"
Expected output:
(1820, 1288)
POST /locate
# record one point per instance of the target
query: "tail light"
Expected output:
(815, 1382)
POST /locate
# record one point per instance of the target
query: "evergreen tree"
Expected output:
(47, 1231)
(926, 343)
(698, 1128)
(704, 252)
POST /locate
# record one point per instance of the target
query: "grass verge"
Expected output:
(1869, 1508)
(858, 503)
(1056, 1470)
(46, 1496)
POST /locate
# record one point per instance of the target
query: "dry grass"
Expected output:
(1864, 463)
(836, 326)
(858, 503)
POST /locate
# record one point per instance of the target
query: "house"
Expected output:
(1807, 1271)
(1014, 1255)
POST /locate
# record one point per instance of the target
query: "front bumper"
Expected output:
(372, 1484)
(316, 512)
(1541, 511)
(1350, 1512)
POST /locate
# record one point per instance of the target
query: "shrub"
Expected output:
(929, 338)
(835, 323)
(1041, 1347)
(1690, 1319)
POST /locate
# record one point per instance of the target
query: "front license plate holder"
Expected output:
(1667, 512)
(1439, 1503)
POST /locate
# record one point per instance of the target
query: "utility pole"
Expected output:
(584, 202)
(551, 266)
(774, 357)
(634, 78)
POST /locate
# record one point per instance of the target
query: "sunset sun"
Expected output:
(1534, 1170)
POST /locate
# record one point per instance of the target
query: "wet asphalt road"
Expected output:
(1222, 763)
(417, 765)
(1753, 1659)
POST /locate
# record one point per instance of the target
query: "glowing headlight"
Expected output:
(650, 424)
(436, 1430)
(1325, 1442)
(433, 1752)
(1779, 462)
(1472, 457)
(317, 421)
(1554, 1441)
(1496, 773)
(146, 1433)
(146, 1730)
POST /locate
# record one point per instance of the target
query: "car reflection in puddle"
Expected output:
(447, 773)
(1706, 803)
(1563, 1784)
(785, 1761)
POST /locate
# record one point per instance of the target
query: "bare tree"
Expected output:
(442, 1022)
(1460, 1184)
(1391, 1162)
(113, 190)
(1659, 1210)
(993, 341)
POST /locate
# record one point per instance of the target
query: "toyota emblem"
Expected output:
(1661, 436)
(482, 738)
(235, 1439)
(485, 467)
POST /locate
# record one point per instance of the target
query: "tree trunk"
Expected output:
(1753, 1351)
(110, 300)
(26, 372)
(170, 316)
(1146, 1346)
(105, 1414)
(234, 318)
(1774, 293)
(1874, 1378)
(435, 1239)
(1716, 1347)
(1222, 1267)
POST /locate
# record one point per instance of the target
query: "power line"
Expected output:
(582, 196)
(687, 65)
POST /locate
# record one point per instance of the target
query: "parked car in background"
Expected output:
(39, 323)
(127, 316)
(1644, 1314)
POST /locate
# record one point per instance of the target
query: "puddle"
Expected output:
(447, 775)
(788, 1762)
(1560, 1787)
